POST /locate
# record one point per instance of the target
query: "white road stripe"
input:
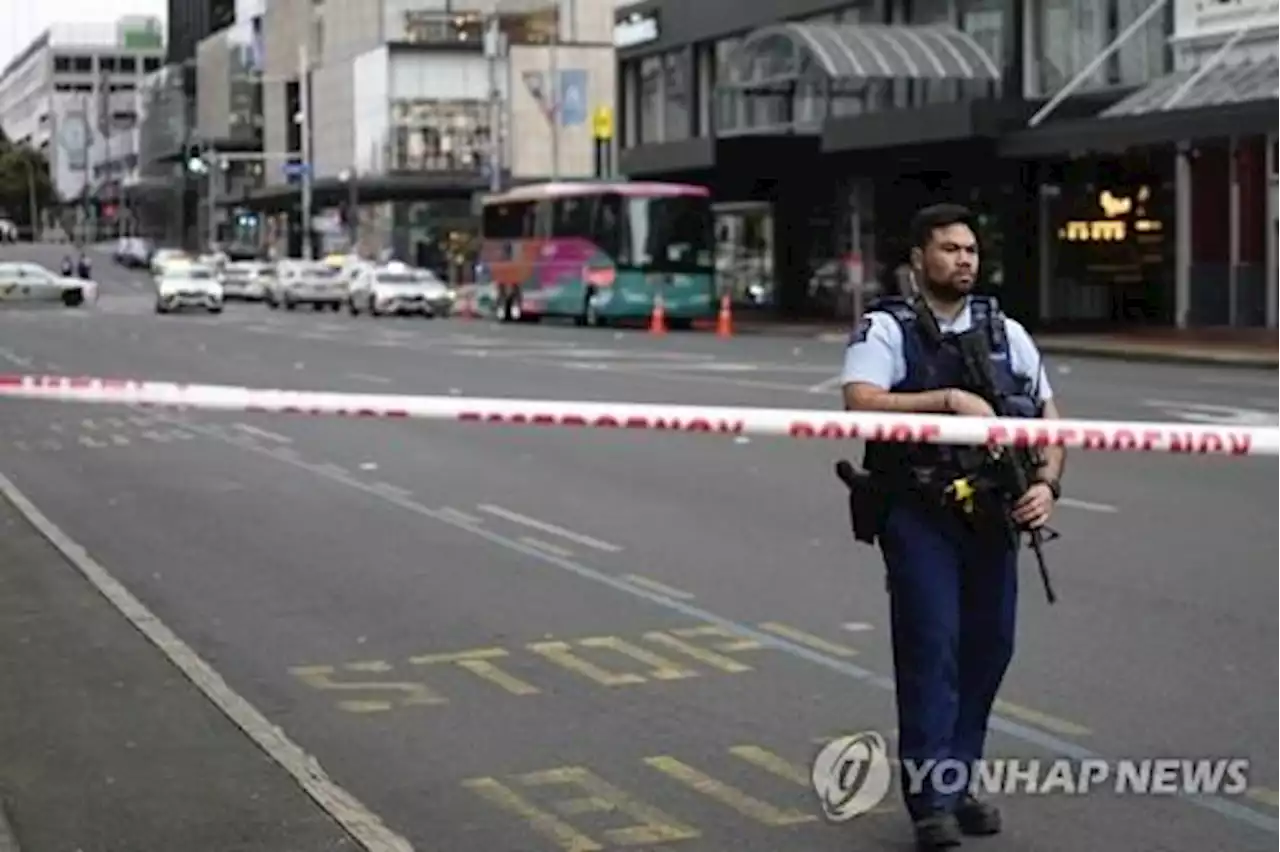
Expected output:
(547, 546)
(363, 824)
(1087, 506)
(263, 433)
(828, 385)
(856, 626)
(460, 516)
(368, 377)
(536, 524)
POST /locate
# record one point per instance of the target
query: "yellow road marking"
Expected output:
(478, 662)
(770, 762)
(732, 644)
(1064, 727)
(815, 642)
(652, 825)
(788, 771)
(548, 825)
(663, 669)
(1262, 795)
(702, 655)
(322, 677)
(660, 588)
(562, 655)
(731, 797)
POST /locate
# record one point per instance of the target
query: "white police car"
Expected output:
(397, 288)
(188, 285)
(30, 282)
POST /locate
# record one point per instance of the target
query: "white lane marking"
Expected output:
(1088, 506)
(856, 626)
(363, 824)
(545, 527)
(262, 433)
(827, 385)
(15, 359)
(546, 545)
(1026, 733)
(396, 490)
(460, 516)
(661, 588)
(369, 377)
(1204, 412)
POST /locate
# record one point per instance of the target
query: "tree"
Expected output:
(21, 167)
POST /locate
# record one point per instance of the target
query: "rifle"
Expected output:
(1010, 463)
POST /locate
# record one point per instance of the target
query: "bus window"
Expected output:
(609, 231)
(571, 216)
(674, 233)
(510, 221)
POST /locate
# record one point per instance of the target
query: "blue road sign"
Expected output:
(295, 169)
(573, 97)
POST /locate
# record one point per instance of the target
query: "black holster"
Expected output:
(868, 501)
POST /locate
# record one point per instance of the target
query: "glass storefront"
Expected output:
(439, 135)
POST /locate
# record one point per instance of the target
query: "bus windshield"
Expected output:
(669, 233)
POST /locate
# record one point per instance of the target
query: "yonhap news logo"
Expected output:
(852, 774)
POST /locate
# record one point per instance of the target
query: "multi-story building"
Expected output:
(192, 21)
(407, 102)
(1119, 151)
(73, 94)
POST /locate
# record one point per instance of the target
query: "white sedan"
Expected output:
(30, 282)
(307, 283)
(185, 285)
(247, 279)
(399, 289)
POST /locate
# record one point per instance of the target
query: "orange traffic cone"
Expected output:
(658, 319)
(724, 322)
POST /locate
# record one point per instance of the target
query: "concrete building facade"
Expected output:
(74, 95)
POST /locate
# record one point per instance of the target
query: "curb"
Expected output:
(1239, 360)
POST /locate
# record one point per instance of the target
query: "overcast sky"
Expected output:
(23, 20)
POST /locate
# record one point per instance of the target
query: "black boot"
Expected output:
(936, 831)
(977, 818)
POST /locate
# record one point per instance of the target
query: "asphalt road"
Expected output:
(531, 640)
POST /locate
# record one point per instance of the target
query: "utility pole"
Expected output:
(493, 50)
(554, 85)
(215, 164)
(304, 107)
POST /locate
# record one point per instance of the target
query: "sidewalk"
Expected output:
(1223, 347)
(105, 746)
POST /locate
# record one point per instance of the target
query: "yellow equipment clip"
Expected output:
(961, 490)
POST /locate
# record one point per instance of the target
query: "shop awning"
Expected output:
(866, 52)
(1237, 100)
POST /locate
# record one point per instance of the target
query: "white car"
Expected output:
(30, 282)
(188, 285)
(247, 279)
(399, 289)
(301, 282)
(162, 258)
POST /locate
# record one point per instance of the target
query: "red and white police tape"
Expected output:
(1116, 436)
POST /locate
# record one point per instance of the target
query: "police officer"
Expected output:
(951, 575)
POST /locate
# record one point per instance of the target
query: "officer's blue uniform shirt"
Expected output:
(876, 354)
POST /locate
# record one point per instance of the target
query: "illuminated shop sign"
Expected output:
(635, 30)
(1122, 215)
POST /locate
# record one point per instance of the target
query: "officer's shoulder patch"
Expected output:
(860, 333)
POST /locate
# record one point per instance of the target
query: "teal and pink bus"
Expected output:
(601, 252)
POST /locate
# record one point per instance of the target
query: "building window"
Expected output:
(62, 64)
(128, 65)
(1146, 55)
(439, 135)
(422, 27)
(1067, 35)
(728, 110)
(924, 12)
(650, 100)
(82, 64)
(987, 22)
(676, 91)
(150, 64)
(107, 64)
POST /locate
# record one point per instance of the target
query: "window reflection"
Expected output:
(651, 99)
(676, 99)
(439, 135)
(427, 27)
